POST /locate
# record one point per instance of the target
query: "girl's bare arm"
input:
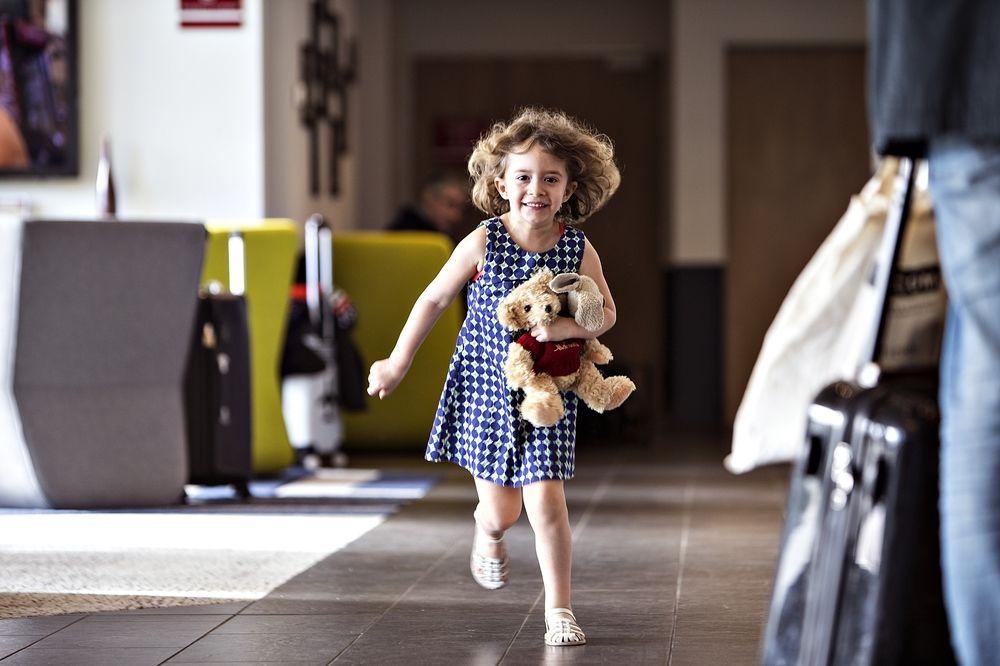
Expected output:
(386, 374)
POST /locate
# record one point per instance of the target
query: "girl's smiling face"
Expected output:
(536, 184)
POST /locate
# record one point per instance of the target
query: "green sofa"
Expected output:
(384, 273)
(271, 248)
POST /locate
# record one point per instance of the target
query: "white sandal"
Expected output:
(561, 628)
(489, 572)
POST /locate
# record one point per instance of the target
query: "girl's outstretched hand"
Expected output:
(384, 377)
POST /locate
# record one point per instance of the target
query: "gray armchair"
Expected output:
(103, 322)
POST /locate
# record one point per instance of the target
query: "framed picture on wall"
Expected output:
(38, 88)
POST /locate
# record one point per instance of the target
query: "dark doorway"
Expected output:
(457, 98)
(797, 148)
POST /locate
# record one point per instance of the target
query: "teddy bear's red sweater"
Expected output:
(557, 359)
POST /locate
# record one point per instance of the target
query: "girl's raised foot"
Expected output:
(490, 572)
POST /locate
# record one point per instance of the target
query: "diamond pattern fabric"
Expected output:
(478, 423)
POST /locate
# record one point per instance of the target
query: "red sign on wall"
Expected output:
(211, 13)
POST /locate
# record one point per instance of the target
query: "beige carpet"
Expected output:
(69, 562)
(36, 604)
(216, 549)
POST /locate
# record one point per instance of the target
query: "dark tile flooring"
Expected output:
(673, 564)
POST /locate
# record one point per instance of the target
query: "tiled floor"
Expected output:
(673, 564)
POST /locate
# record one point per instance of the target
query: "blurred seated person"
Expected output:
(441, 208)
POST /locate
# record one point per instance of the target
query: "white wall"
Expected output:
(183, 108)
(377, 196)
(702, 31)
(286, 27)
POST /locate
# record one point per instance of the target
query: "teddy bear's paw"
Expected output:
(620, 389)
(597, 353)
(542, 411)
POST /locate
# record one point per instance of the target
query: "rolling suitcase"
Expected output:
(310, 401)
(858, 576)
(880, 595)
(217, 383)
(828, 422)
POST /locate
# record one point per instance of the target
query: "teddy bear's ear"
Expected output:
(564, 282)
(542, 277)
(508, 315)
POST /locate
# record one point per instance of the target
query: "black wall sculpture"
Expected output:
(324, 80)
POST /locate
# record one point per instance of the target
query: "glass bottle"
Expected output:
(105, 186)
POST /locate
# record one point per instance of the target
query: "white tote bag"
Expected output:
(817, 335)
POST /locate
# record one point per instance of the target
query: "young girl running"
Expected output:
(539, 176)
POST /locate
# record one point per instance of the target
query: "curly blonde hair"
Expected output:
(589, 159)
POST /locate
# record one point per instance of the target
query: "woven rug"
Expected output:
(214, 549)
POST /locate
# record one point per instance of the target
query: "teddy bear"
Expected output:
(543, 369)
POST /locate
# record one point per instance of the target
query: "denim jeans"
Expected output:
(965, 188)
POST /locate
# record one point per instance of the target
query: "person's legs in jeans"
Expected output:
(965, 188)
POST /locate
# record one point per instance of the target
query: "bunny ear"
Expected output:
(564, 282)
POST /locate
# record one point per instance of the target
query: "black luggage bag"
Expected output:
(217, 384)
(878, 595)
(858, 578)
(828, 423)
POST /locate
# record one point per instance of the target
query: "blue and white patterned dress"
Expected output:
(478, 423)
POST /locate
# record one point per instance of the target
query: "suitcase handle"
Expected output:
(237, 263)
(888, 256)
(311, 251)
(319, 273)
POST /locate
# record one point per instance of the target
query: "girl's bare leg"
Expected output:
(499, 508)
(545, 504)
